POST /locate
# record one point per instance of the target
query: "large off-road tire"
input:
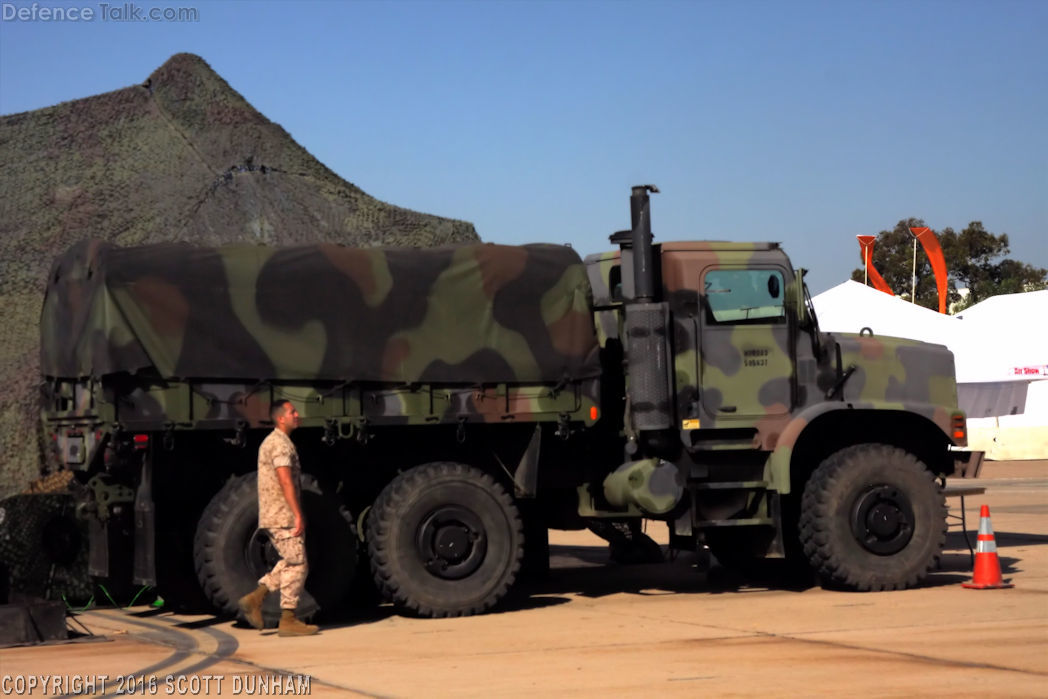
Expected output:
(872, 518)
(445, 540)
(230, 553)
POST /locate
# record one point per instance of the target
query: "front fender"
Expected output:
(777, 467)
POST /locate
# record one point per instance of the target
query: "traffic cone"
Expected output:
(987, 574)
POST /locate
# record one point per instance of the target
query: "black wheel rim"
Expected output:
(882, 520)
(451, 542)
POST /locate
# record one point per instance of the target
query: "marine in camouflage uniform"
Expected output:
(280, 515)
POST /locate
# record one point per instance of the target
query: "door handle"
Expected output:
(727, 408)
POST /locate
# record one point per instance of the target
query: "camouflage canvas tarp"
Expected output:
(472, 313)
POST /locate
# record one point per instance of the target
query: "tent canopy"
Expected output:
(1001, 339)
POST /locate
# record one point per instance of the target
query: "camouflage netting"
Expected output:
(182, 157)
(43, 546)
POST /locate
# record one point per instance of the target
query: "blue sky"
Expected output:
(800, 122)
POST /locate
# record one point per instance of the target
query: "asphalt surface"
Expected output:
(595, 628)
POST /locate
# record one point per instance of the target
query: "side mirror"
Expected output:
(795, 299)
(773, 286)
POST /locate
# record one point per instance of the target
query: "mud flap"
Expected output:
(144, 572)
(526, 477)
(98, 554)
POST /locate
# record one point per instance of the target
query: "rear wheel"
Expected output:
(872, 518)
(445, 540)
(230, 552)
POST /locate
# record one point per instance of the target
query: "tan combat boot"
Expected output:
(251, 606)
(290, 626)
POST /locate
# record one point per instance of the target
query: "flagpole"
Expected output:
(866, 267)
(913, 288)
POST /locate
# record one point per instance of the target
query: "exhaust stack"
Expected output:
(643, 262)
(647, 326)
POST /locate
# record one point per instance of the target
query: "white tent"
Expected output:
(1005, 338)
(1005, 351)
(1000, 349)
(851, 306)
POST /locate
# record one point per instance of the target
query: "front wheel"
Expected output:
(445, 540)
(872, 518)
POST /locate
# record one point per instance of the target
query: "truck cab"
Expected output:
(734, 340)
(734, 386)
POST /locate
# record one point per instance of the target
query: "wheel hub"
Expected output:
(451, 542)
(882, 520)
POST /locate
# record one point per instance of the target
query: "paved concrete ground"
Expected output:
(596, 629)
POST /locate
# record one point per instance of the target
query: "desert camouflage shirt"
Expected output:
(276, 451)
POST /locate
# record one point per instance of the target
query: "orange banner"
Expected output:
(866, 245)
(935, 256)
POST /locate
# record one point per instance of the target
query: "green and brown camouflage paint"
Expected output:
(180, 337)
(177, 337)
(476, 313)
(758, 385)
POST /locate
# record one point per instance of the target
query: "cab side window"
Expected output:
(744, 296)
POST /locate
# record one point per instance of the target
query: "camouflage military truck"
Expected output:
(458, 402)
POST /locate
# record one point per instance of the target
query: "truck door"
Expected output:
(745, 360)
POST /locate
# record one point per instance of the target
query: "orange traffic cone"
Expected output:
(987, 574)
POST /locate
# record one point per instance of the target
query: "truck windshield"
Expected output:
(744, 296)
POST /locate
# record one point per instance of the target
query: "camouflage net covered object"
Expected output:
(43, 546)
(468, 313)
(180, 157)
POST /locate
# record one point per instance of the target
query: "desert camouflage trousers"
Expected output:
(289, 574)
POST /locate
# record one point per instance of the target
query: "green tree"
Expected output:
(973, 261)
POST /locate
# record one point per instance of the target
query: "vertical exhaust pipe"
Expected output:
(643, 262)
(647, 328)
